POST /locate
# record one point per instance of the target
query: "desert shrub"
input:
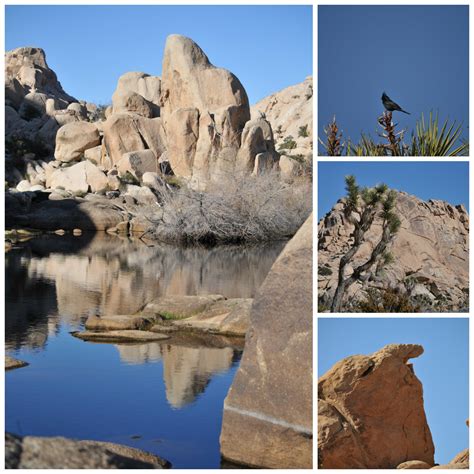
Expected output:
(288, 143)
(388, 300)
(242, 209)
(303, 131)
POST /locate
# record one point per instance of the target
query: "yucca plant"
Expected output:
(428, 139)
(333, 144)
(366, 147)
(394, 138)
(431, 141)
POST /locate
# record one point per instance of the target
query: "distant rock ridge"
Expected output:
(430, 254)
(371, 414)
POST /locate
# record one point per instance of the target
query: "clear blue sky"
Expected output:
(418, 55)
(443, 369)
(448, 181)
(89, 47)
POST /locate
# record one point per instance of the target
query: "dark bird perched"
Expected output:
(390, 105)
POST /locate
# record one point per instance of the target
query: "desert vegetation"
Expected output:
(243, 209)
(430, 138)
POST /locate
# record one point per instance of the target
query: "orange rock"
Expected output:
(370, 412)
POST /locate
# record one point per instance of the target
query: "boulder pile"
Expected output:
(191, 127)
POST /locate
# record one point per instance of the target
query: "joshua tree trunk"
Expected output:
(361, 207)
(344, 284)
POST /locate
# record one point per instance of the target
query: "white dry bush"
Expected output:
(238, 209)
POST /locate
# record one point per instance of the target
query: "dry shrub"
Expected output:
(240, 208)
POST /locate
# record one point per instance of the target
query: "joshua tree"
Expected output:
(361, 207)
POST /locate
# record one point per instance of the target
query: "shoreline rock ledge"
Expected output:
(267, 418)
(371, 413)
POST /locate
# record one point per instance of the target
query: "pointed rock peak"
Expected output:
(180, 47)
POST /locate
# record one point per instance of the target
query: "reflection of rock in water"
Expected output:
(28, 303)
(139, 353)
(108, 275)
(188, 370)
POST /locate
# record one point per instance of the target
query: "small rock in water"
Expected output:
(12, 363)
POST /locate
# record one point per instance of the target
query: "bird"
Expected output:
(390, 105)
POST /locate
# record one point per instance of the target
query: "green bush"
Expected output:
(288, 144)
(303, 131)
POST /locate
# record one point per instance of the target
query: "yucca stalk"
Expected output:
(394, 138)
(333, 144)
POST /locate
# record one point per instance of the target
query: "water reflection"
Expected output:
(53, 280)
(186, 370)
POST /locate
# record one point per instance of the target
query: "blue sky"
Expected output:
(448, 181)
(89, 47)
(418, 55)
(442, 369)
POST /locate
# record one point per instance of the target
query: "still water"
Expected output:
(163, 397)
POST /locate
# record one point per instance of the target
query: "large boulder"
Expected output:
(257, 137)
(371, 414)
(33, 105)
(133, 84)
(134, 103)
(73, 139)
(268, 410)
(34, 452)
(79, 178)
(125, 133)
(137, 163)
(191, 82)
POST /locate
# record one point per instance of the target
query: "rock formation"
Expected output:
(371, 414)
(34, 452)
(35, 102)
(268, 411)
(204, 110)
(193, 123)
(26, 72)
(139, 93)
(430, 255)
(290, 113)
